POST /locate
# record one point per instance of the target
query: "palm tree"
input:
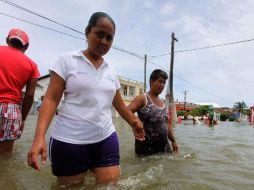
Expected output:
(241, 108)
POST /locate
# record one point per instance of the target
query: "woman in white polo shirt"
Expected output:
(83, 136)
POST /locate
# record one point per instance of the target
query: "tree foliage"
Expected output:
(181, 113)
(200, 111)
(227, 116)
(240, 107)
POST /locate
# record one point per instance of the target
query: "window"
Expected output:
(132, 91)
(125, 91)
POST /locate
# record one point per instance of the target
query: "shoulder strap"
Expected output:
(145, 101)
(149, 100)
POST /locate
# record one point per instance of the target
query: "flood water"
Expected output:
(220, 157)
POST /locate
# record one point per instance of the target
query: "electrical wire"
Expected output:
(195, 86)
(34, 13)
(41, 26)
(114, 47)
(58, 23)
(119, 49)
(201, 48)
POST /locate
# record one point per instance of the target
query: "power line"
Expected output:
(207, 92)
(125, 51)
(201, 48)
(195, 86)
(118, 48)
(32, 12)
(114, 47)
(45, 27)
(58, 23)
(41, 26)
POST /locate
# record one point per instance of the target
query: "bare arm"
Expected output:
(172, 138)
(49, 105)
(29, 98)
(128, 116)
(137, 103)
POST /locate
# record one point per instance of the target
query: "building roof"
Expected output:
(43, 77)
(209, 103)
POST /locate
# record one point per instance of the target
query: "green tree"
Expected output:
(200, 111)
(227, 116)
(240, 107)
(181, 113)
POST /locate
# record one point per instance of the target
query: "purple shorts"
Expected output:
(72, 159)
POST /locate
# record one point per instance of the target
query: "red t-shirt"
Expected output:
(15, 70)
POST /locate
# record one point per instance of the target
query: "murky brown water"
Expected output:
(218, 158)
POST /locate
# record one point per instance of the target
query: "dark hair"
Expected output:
(17, 43)
(157, 73)
(95, 17)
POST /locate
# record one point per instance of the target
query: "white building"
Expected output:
(41, 87)
(129, 89)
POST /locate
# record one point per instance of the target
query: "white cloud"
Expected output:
(167, 8)
(144, 27)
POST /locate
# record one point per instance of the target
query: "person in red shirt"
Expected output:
(16, 71)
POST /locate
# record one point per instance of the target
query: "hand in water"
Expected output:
(175, 147)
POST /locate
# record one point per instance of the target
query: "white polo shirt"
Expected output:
(85, 115)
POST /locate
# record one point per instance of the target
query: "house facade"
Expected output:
(129, 89)
(185, 106)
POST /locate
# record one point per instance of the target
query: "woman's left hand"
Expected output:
(174, 146)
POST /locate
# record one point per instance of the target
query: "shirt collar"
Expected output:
(80, 54)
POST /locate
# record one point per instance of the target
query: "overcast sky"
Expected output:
(221, 75)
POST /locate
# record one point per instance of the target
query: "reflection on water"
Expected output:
(221, 157)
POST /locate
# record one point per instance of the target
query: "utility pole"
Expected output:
(145, 58)
(185, 93)
(169, 95)
(173, 39)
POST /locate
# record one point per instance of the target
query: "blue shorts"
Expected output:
(72, 159)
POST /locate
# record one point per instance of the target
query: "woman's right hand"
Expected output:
(138, 130)
(39, 147)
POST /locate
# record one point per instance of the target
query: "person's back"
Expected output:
(15, 70)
